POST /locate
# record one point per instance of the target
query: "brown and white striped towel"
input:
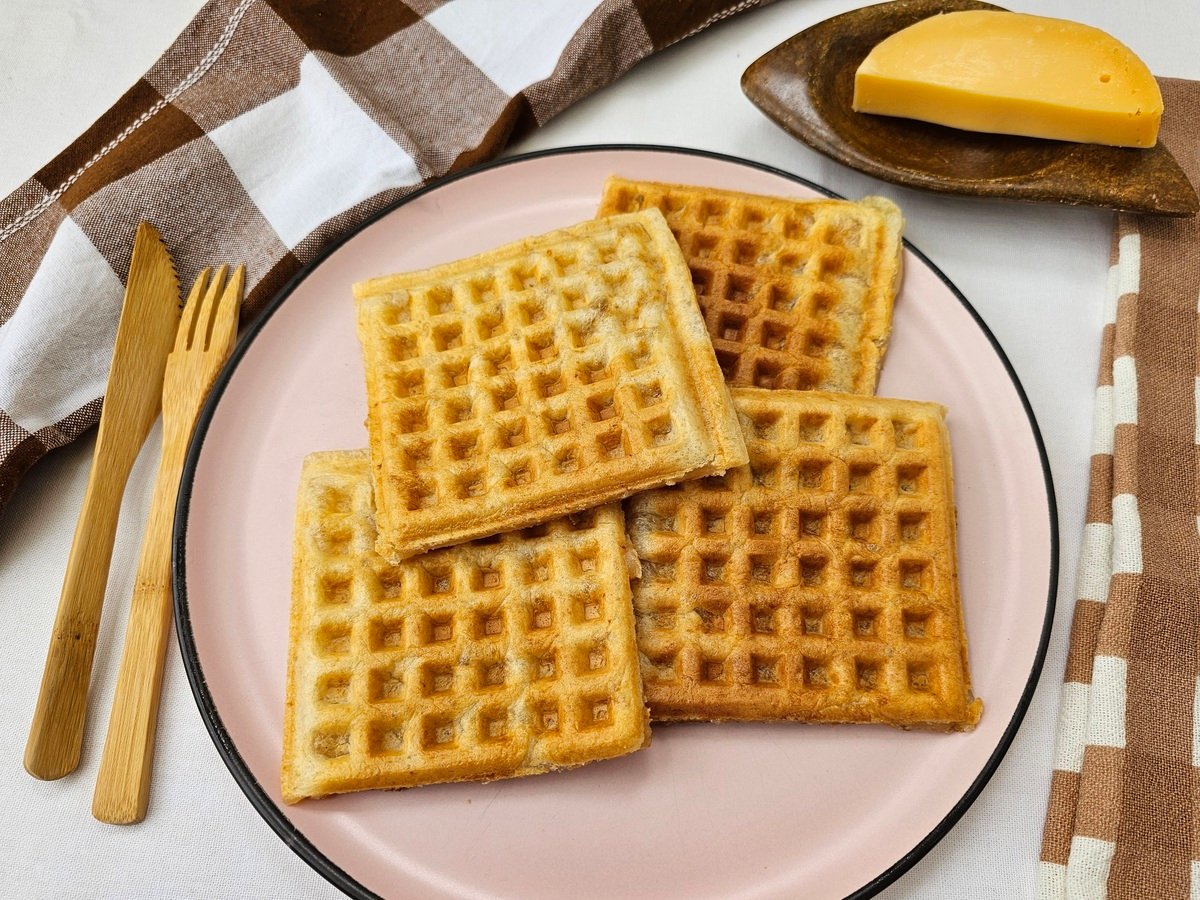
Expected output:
(268, 128)
(1124, 814)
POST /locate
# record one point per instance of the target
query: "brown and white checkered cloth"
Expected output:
(268, 128)
(1123, 820)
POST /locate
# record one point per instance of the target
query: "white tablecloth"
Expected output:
(1035, 273)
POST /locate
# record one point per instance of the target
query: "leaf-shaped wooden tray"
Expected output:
(806, 85)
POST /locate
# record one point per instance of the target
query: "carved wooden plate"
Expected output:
(806, 85)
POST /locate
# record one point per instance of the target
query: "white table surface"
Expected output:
(1035, 273)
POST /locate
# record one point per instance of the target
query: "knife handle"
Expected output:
(56, 735)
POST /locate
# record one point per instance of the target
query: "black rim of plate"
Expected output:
(274, 815)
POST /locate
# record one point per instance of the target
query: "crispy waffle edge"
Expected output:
(295, 786)
(888, 256)
(970, 708)
(710, 393)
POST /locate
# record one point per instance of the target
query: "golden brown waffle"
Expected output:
(538, 379)
(507, 657)
(818, 583)
(795, 293)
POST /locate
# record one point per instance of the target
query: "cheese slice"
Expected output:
(1011, 73)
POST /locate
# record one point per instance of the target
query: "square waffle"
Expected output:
(795, 293)
(541, 378)
(818, 583)
(491, 660)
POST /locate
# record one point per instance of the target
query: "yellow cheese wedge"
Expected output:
(1011, 73)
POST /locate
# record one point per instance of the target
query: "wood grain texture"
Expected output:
(204, 339)
(806, 86)
(149, 320)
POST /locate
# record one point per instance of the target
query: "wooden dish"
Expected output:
(806, 85)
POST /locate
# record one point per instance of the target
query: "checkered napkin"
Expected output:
(1124, 818)
(266, 130)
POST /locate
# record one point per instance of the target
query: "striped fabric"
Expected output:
(268, 128)
(1123, 819)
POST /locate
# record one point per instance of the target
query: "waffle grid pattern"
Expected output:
(795, 294)
(568, 370)
(505, 657)
(817, 583)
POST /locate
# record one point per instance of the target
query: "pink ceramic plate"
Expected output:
(709, 810)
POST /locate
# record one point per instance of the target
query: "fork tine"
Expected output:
(187, 324)
(225, 317)
(204, 318)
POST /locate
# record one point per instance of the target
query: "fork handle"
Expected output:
(56, 734)
(123, 782)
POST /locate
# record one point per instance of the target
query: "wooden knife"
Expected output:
(145, 334)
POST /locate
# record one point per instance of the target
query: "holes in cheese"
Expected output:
(1010, 73)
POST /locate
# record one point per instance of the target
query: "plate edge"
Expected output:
(245, 779)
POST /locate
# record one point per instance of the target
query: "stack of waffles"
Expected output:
(470, 600)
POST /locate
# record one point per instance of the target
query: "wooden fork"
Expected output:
(205, 338)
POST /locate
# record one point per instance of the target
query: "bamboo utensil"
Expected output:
(149, 320)
(205, 338)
